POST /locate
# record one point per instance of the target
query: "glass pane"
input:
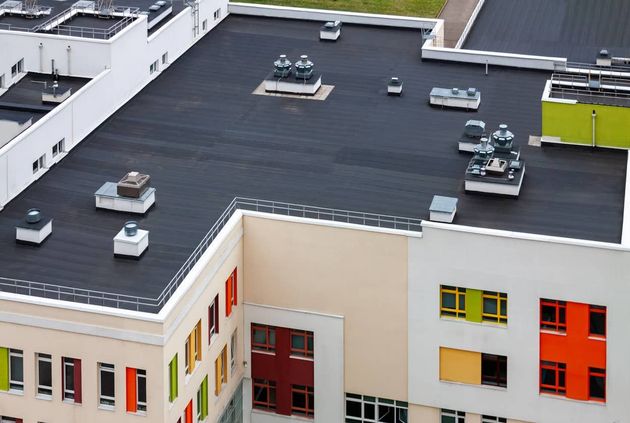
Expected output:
(260, 337)
(142, 389)
(548, 314)
(448, 300)
(272, 394)
(272, 337)
(597, 387)
(353, 409)
(562, 318)
(401, 415)
(107, 384)
(489, 306)
(561, 382)
(504, 306)
(297, 342)
(45, 373)
(462, 301)
(17, 369)
(369, 411)
(298, 400)
(548, 377)
(310, 343)
(260, 394)
(448, 419)
(597, 324)
(386, 414)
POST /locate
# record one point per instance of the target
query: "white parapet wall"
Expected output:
(331, 15)
(470, 23)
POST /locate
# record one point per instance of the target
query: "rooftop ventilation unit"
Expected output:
(55, 94)
(443, 209)
(473, 131)
(604, 58)
(394, 86)
(131, 242)
(304, 68)
(282, 67)
(34, 229)
(469, 99)
(330, 31)
(133, 185)
(503, 141)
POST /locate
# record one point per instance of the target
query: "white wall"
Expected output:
(328, 365)
(526, 270)
(120, 68)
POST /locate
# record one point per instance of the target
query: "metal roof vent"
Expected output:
(471, 92)
(484, 150)
(282, 67)
(443, 209)
(34, 229)
(133, 185)
(394, 86)
(604, 58)
(131, 242)
(455, 90)
(503, 138)
(304, 68)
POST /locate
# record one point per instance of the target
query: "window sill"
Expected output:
(597, 338)
(553, 332)
(44, 397)
(562, 397)
(15, 392)
(264, 352)
(482, 323)
(138, 413)
(71, 402)
(292, 417)
(300, 357)
(480, 385)
(213, 338)
(106, 407)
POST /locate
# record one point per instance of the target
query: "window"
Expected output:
(553, 377)
(204, 25)
(202, 400)
(263, 338)
(58, 148)
(165, 58)
(494, 370)
(596, 384)
(302, 343)
(44, 374)
(71, 380)
(360, 409)
(264, 397)
(553, 315)
(16, 370)
(172, 381)
(597, 321)
(213, 319)
(217, 14)
(193, 348)
(2, 83)
(302, 400)
(230, 293)
(492, 419)
(452, 416)
(220, 371)
(39, 164)
(153, 68)
(233, 342)
(452, 301)
(136, 390)
(106, 395)
(494, 307)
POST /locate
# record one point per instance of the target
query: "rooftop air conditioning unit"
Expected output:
(133, 185)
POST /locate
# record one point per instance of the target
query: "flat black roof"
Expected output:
(575, 29)
(204, 139)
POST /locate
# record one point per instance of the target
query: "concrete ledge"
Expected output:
(469, 24)
(330, 15)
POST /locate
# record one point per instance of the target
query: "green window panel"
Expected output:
(204, 398)
(473, 305)
(4, 369)
(172, 368)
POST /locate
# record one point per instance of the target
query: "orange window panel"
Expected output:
(132, 404)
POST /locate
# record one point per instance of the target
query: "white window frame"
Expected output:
(57, 148)
(68, 362)
(155, 67)
(165, 58)
(187, 352)
(3, 81)
(459, 416)
(233, 346)
(16, 385)
(215, 315)
(199, 400)
(204, 25)
(492, 419)
(39, 164)
(396, 406)
(106, 401)
(217, 14)
(141, 377)
(44, 390)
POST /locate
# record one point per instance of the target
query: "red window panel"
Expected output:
(302, 400)
(231, 293)
(597, 384)
(188, 414)
(263, 338)
(597, 321)
(264, 394)
(302, 343)
(131, 387)
(71, 391)
(553, 377)
(553, 315)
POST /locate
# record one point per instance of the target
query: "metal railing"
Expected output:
(153, 305)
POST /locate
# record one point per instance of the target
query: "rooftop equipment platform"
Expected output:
(469, 99)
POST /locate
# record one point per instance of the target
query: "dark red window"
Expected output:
(597, 321)
(302, 343)
(263, 338)
(553, 377)
(264, 394)
(213, 318)
(596, 384)
(302, 400)
(553, 315)
(494, 370)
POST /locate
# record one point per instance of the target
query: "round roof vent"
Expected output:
(502, 136)
(33, 216)
(484, 150)
(282, 67)
(131, 228)
(304, 68)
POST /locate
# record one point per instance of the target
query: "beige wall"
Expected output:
(359, 275)
(91, 350)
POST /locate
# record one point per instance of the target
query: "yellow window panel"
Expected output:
(460, 366)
